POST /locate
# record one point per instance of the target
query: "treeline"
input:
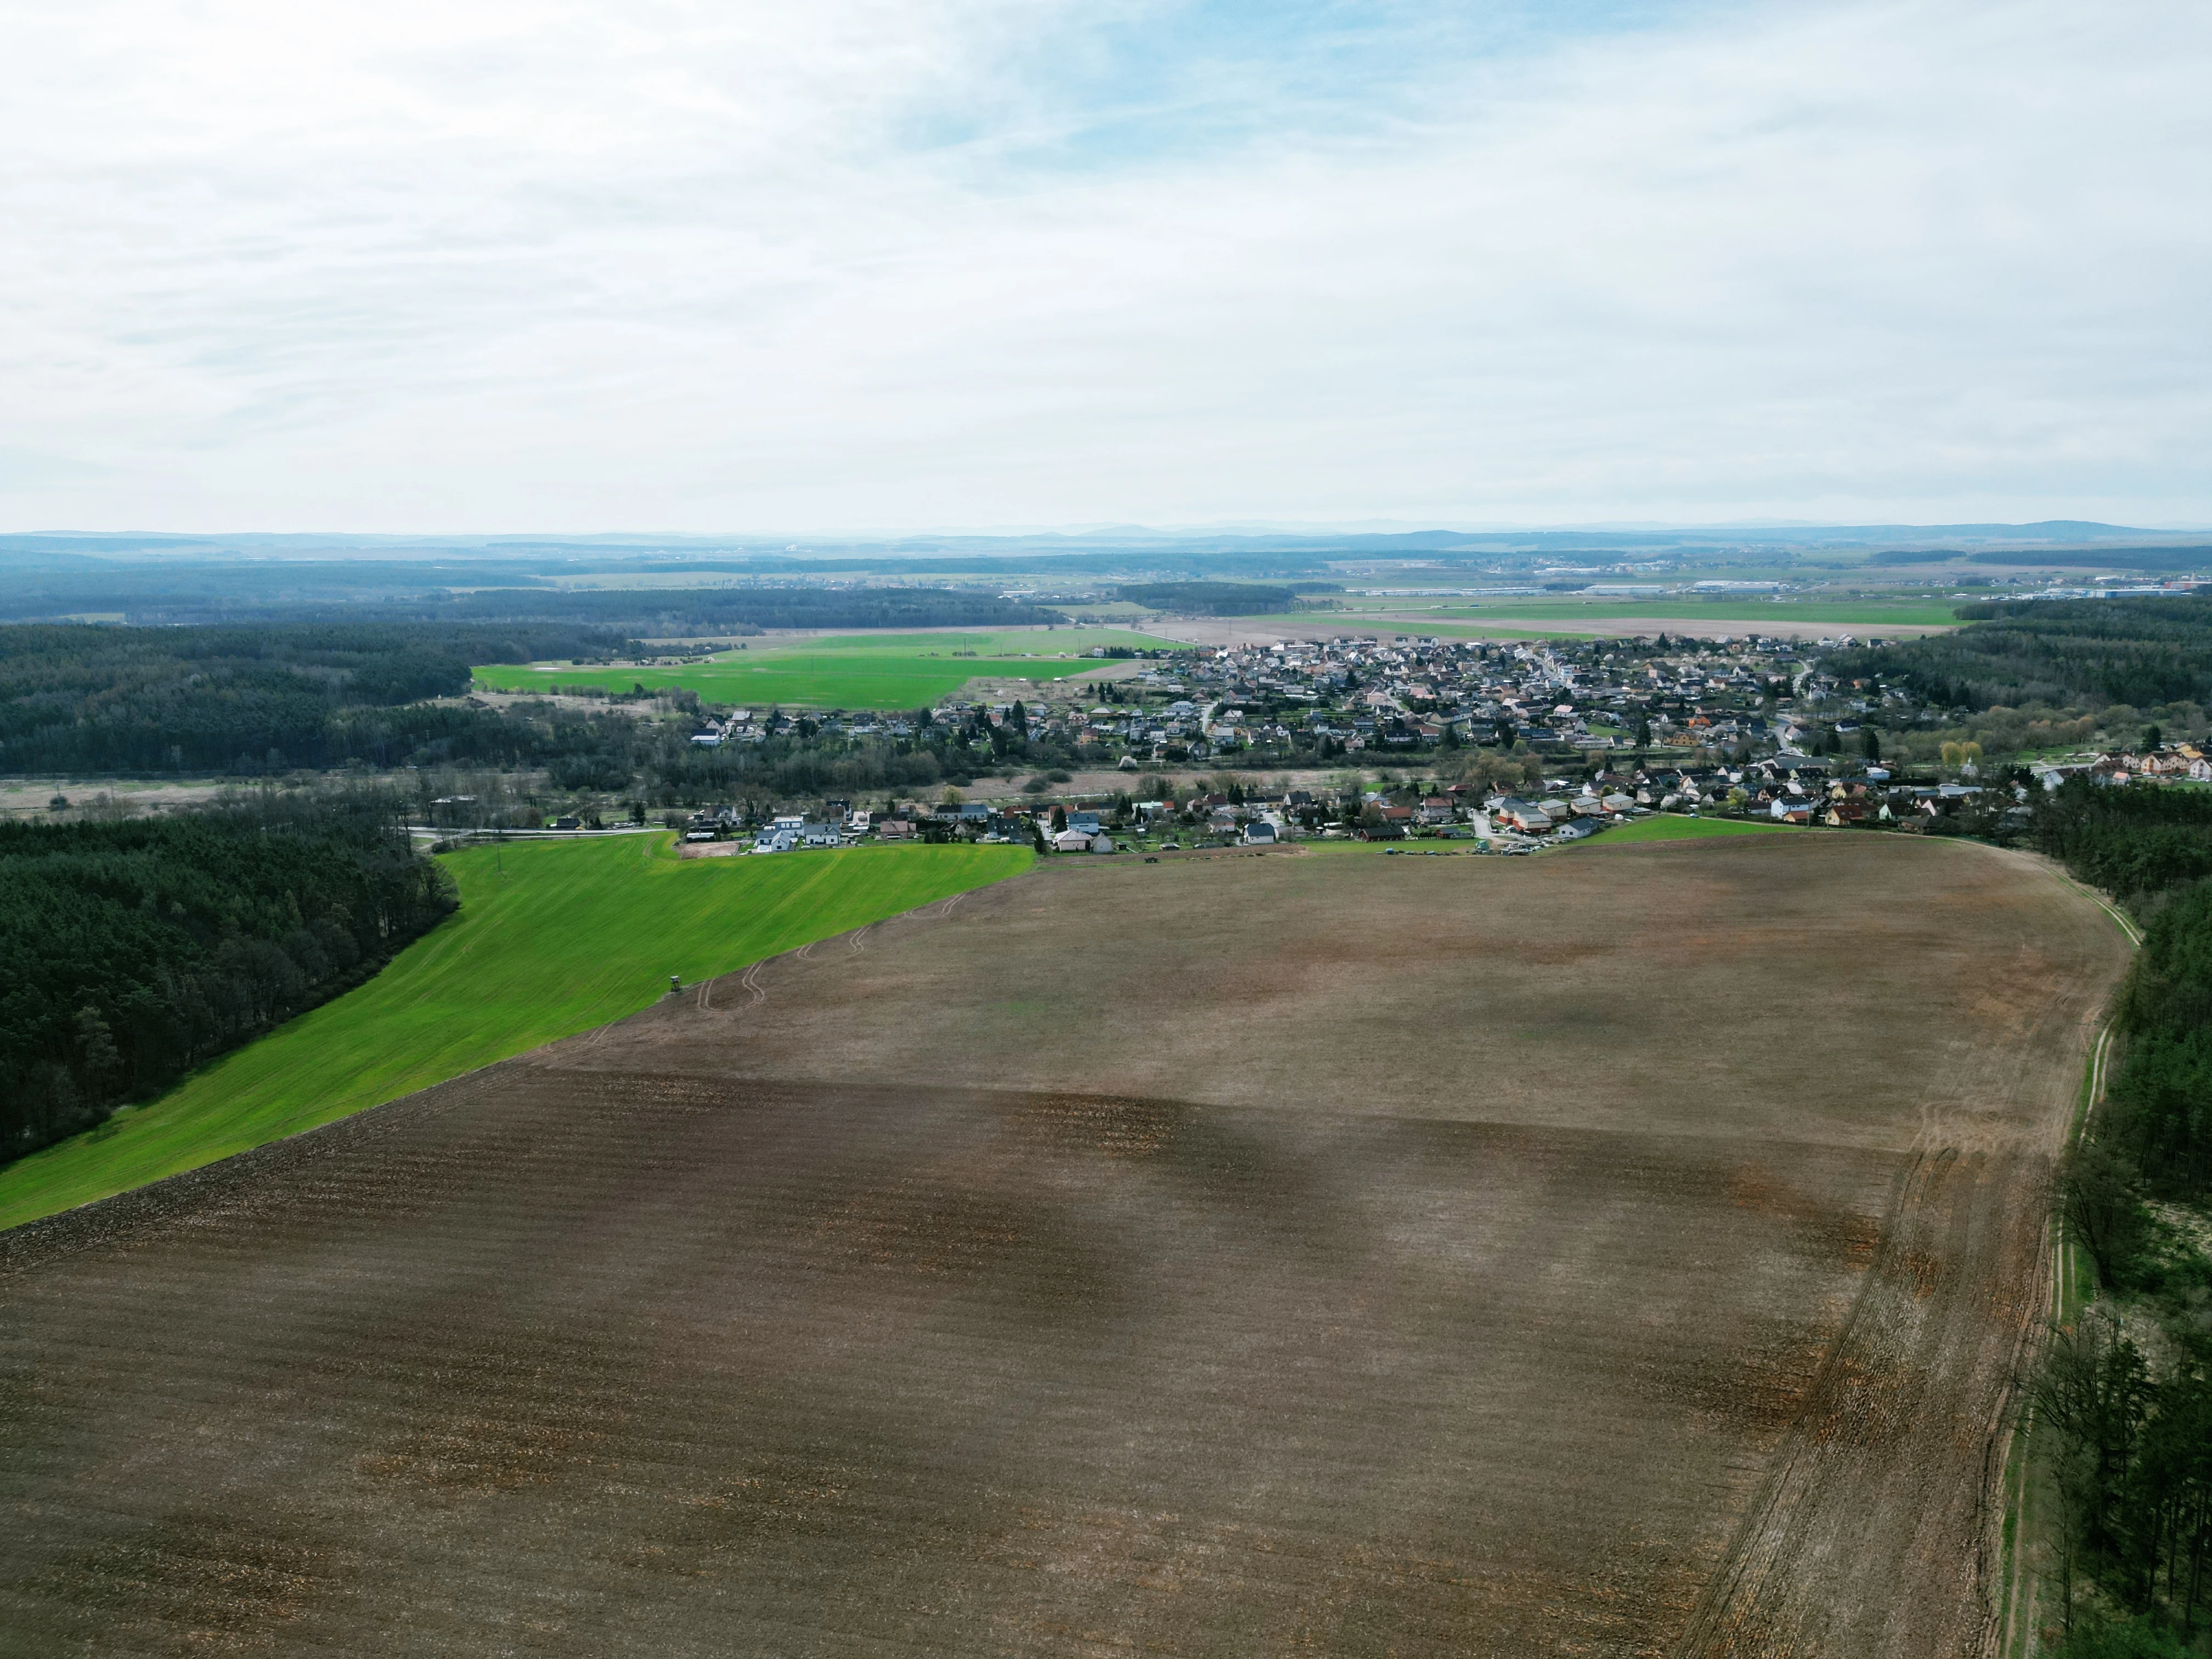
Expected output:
(2133, 1471)
(204, 592)
(790, 768)
(2104, 558)
(577, 748)
(2135, 843)
(260, 701)
(652, 764)
(76, 698)
(798, 761)
(2129, 1441)
(734, 609)
(193, 591)
(2056, 654)
(1211, 599)
(130, 952)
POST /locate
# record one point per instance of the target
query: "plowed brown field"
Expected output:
(1619, 1253)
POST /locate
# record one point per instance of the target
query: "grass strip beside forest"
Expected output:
(553, 938)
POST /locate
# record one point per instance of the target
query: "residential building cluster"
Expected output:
(2177, 763)
(1525, 742)
(1378, 694)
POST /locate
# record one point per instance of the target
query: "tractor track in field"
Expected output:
(1873, 1532)
(1919, 1394)
(855, 945)
(751, 980)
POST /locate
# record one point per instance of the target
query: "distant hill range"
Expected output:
(60, 549)
(660, 584)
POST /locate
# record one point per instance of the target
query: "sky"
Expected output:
(480, 265)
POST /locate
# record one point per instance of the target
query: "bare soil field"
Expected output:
(1619, 1253)
(103, 798)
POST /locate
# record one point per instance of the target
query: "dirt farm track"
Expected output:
(1623, 1252)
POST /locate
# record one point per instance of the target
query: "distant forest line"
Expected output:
(250, 699)
(373, 592)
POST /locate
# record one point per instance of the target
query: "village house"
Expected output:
(1526, 817)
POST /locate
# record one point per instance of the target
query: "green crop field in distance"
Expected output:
(1912, 613)
(859, 671)
(1671, 826)
(552, 938)
(1359, 623)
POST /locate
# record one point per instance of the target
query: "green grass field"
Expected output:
(1671, 826)
(860, 672)
(1378, 616)
(1360, 622)
(553, 938)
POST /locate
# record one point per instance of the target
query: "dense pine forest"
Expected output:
(130, 952)
(2125, 1393)
(2139, 845)
(2087, 653)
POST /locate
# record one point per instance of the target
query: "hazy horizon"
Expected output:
(2056, 530)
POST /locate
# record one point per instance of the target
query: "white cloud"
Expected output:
(483, 266)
